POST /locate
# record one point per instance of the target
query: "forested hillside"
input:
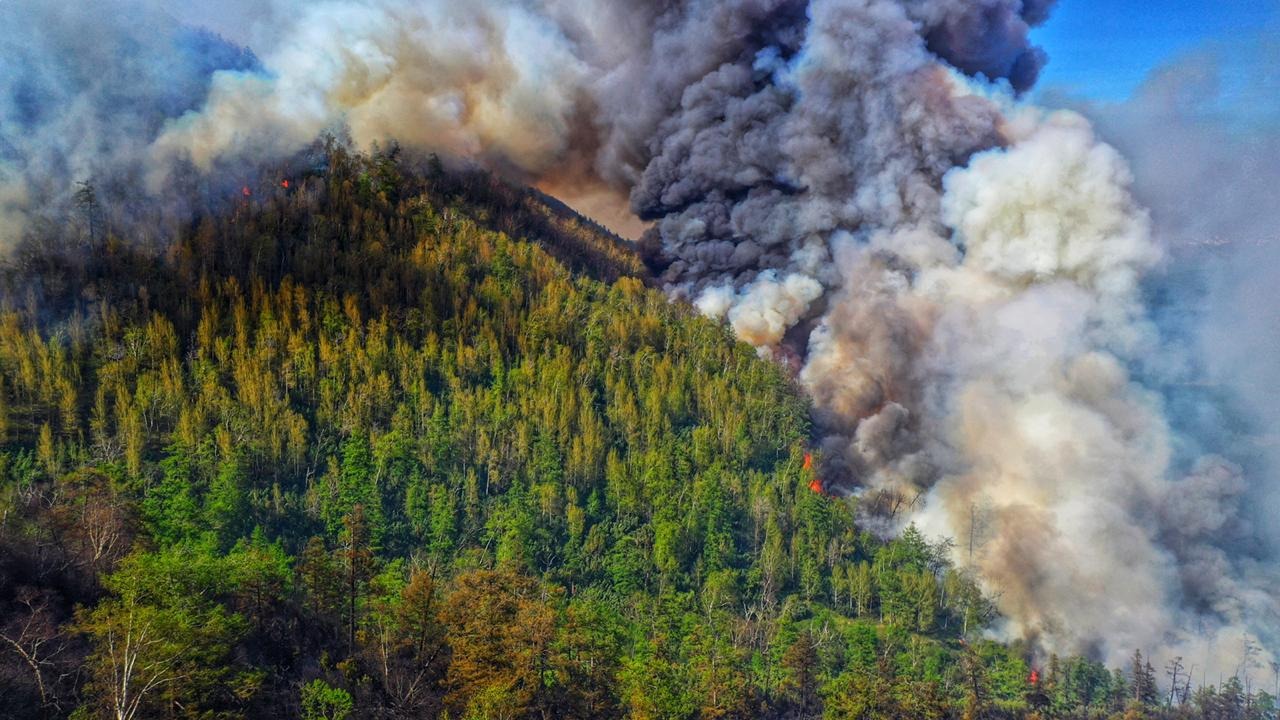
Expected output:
(380, 440)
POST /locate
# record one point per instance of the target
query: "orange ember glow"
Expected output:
(816, 486)
(246, 191)
(284, 184)
(1034, 677)
(808, 462)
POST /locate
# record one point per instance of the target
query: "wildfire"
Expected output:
(246, 191)
(1034, 677)
(815, 483)
(284, 184)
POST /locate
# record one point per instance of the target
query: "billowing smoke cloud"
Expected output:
(1067, 458)
(983, 355)
(494, 81)
(962, 282)
(122, 92)
(565, 93)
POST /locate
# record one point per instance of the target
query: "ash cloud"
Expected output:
(968, 286)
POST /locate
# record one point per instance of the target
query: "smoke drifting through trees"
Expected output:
(958, 277)
(84, 92)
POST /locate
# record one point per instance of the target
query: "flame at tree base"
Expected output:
(815, 483)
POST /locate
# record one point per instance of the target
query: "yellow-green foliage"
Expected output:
(397, 442)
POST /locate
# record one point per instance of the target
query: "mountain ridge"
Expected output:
(396, 442)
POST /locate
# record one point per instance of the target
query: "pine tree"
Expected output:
(357, 565)
(1145, 692)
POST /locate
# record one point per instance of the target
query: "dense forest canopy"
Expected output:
(380, 440)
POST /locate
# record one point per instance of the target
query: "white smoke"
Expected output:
(764, 310)
(491, 80)
(1054, 206)
(1063, 450)
(1022, 403)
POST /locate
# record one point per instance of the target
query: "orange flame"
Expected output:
(246, 191)
(284, 184)
(815, 482)
(1034, 677)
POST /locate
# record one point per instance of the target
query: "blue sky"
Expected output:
(1102, 49)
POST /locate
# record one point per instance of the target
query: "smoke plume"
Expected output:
(980, 353)
(84, 92)
(964, 283)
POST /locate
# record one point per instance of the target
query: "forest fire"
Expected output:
(815, 483)
(448, 407)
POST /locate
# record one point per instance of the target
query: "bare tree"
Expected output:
(35, 637)
(1174, 671)
(979, 521)
(93, 523)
